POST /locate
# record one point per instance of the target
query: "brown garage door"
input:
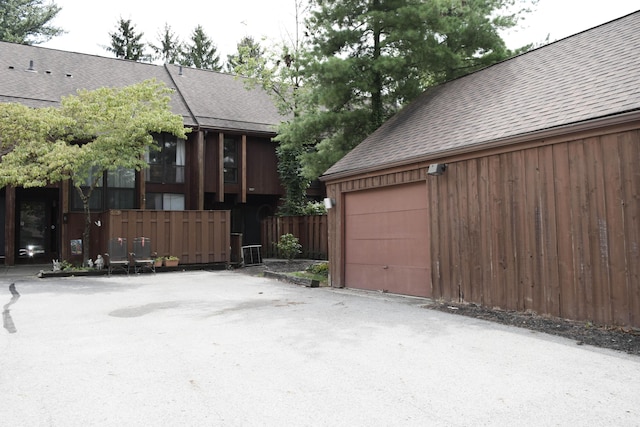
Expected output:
(386, 240)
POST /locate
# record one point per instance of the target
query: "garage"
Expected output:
(386, 240)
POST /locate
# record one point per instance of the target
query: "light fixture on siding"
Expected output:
(436, 169)
(329, 202)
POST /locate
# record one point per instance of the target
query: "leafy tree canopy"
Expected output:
(201, 52)
(368, 58)
(28, 21)
(125, 42)
(91, 133)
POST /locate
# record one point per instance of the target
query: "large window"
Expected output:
(230, 161)
(167, 165)
(165, 201)
(119, 194)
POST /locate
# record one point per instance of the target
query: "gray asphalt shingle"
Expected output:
(590, 75)
(205, 98)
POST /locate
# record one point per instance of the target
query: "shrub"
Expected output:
(289, 246)
(321, 269)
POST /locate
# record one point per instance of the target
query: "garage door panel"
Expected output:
(386, 240)
(388, 225)
(384, 252)
(395, 279)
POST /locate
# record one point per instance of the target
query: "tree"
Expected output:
(125, 42)
(27, 21)
(368, 58)
(201, 52)
(279, 73)
(92, 133)
(169, 48)
(248, 50)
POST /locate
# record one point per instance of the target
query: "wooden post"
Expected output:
(220, 192)
(243, 169)
(10, 226)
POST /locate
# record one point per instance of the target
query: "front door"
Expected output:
(37, 228)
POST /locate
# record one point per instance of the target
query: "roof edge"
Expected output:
(612, 120)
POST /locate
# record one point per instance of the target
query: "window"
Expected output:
(167, 165)
(121, 189)
(95, 202)
(165, 201)
(120, 192)
(230, 161)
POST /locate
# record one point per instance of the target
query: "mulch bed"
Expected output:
(616, 338)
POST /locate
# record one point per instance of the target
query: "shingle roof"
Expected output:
(590, 75)
(205, 98)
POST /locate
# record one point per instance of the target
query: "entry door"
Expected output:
(387, 241)
(37, 228)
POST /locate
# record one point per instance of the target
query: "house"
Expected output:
(517, 186)
(228, 161)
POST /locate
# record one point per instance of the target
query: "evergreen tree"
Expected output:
(201, 52)
(169, 48)
(125, 42)
(370, 57)
(248, 50)
(27, 21)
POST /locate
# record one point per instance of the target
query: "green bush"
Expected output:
(321, 269)
(289, 246)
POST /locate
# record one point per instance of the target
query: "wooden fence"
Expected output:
(196, 237)
(311, 232)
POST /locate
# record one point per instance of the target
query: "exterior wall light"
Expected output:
(329, 203)
(436, 169)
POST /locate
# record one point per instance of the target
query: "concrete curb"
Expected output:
(292, 279)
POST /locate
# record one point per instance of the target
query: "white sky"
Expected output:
(89, 22)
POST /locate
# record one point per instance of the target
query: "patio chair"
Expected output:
(141, 256)
(117, 257)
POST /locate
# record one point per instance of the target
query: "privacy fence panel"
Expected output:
(196, 237)
(553, 229)
(311, 232)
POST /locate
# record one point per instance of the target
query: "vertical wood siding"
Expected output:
(310, 230)
(553, 229)
(196, 237)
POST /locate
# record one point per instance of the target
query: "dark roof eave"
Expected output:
(613, 120)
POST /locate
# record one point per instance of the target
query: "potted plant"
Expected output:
(171, 261)
(157, 262)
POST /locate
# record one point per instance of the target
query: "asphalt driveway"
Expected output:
(223, 348)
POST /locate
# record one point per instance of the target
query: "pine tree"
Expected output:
(125, 42)
(368, 58)
(248, 50)
(201, 52)
(169, 48)
(27, 21)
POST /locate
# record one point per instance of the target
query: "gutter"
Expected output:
(591, 124)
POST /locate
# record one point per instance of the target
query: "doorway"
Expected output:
(37, 225)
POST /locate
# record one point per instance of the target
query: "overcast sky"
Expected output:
(88, 23)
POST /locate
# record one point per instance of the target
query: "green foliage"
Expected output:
(313, 208)
(321, 269)
(288, 246)
(201, 52)
(249, 50)
(91, 133)
(125, 42)
(368, 58)
(295, 184)
(169, 48)
(27, 21)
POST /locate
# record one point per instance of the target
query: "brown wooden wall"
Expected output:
(262, 167)
(311, 232)
(551, 228)
(196, 237)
